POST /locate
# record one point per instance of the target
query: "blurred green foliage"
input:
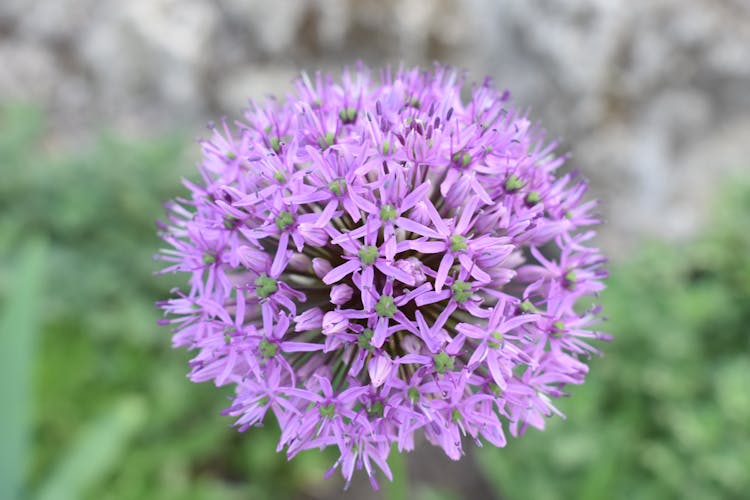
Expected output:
(113, 415)
(666, 412)
(19, 319)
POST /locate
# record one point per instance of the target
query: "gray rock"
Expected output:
(638, 90)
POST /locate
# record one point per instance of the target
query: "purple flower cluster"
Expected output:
(372, 260)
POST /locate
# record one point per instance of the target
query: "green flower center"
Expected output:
(284, 220)
(386, 307)
(498, 337)
(268, 349)
(265, 286)
(279, 176)
(570, 279)
(327, 140)
(337, 187)
(458, 243)
(327, 411)
(368, 254)
(363, 339)
(513, 184)
(209, 258)
(387, 212)
(533, 198)
(275, 143)
(443, 362)
(460, 157)
(527, 306)
(348, 115)
(558, 328)
(413, 394)
(455, 415)
(461, 291)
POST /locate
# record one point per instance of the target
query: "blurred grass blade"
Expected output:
(95, 452)
(19, 325)
(397, 489)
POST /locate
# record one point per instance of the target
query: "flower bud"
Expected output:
(334, 322)
(341, 294)
(321, 267)
(379, 368)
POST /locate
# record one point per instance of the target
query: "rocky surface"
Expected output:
(651, 97)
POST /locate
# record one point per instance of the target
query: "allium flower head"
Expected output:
(374, 260)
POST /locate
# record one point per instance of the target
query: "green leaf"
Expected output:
(19, 324)
(398, 488)
(95, 451)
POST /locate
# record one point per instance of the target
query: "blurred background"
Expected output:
(100, 102)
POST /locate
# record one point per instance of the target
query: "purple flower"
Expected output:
(379, 368)
(372, 261)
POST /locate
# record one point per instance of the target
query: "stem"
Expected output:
(398, 488)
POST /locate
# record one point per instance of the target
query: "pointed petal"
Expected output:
(478, 356)
(415, 196)
(339, 272)
(496, 371)
(300, 347)
(380, 333)
(467, 212)
(445, 265)
(397, 273)
(279, 260)
(436, 219)
(326, 214)
(417, 228)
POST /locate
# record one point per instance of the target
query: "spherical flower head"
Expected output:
(377, 258)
